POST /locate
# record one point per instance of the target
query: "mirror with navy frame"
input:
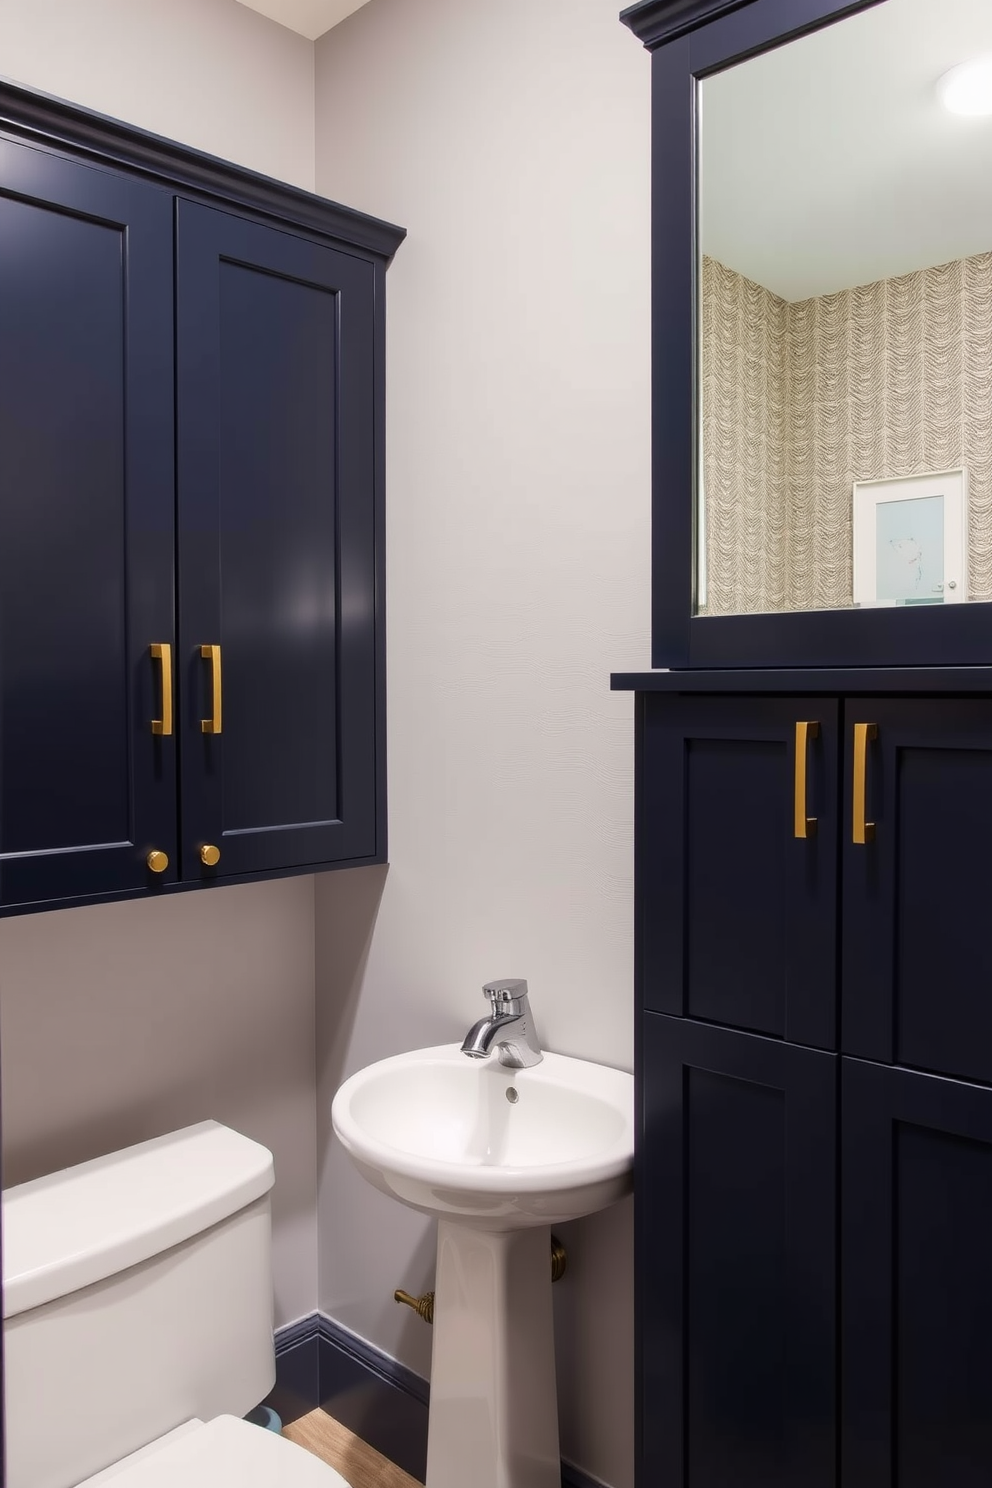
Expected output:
(822, 332)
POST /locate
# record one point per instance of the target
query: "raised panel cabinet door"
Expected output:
(917, 1280)
(736, 1264)
(276, 450)
(737, 853)
(87, 786)
(917, 954)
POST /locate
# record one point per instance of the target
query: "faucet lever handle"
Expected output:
(508, 989)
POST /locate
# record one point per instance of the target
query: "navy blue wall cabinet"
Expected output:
(737, 1215)
(191, 517)
(86, 527)
(276, 453)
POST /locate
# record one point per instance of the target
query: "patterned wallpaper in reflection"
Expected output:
(801, 400)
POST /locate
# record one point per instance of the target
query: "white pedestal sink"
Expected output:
(498, 1155)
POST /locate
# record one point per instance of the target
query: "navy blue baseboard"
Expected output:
(376, 1397)
(297, 1387)
(319, 1363)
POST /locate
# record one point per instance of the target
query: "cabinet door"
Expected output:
(86, 527)
(917, 957)
(276, 450)
(736, 1267)
(737, 913)
(917, 1292)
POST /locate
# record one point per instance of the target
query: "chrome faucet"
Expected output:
(509, 1025)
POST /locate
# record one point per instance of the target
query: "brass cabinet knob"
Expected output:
(209, 855)
(157, 861)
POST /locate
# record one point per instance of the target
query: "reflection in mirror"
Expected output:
(845, 315)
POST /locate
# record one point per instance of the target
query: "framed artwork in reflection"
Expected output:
(911, 540)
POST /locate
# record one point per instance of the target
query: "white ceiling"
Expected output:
(830, 162)
(311, 18)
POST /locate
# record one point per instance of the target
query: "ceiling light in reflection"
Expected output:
(967, 88)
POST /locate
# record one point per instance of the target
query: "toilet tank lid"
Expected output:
(69, 1229)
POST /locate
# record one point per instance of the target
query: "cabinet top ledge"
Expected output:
(951, 679)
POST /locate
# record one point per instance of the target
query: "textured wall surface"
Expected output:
(513, 141)
(885, 380)
(126, 1019)
(743, 377)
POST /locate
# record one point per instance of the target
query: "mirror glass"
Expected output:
(844, 386)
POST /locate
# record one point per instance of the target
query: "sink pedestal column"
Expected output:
(494, 1409)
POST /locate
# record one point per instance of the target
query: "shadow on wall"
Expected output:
(347, 907)
(594, 1319)
(369, 1244)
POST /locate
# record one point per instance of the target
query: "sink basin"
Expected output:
(498, 1155)
(497, 1148)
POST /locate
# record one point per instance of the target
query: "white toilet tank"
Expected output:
(137, 1294)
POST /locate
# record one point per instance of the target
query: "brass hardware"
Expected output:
(209, 855)
(157, 861)
(423, 1305)
(805, 826)
(864, 734)
(163, 653)
(212, 725)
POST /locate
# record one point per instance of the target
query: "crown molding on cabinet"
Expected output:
(657, 21)
(41, 118)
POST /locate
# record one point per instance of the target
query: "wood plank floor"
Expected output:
(358, 1463)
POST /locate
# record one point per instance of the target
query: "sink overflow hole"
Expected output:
(512, 1095)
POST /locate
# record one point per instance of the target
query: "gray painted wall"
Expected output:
(512, 140)
(209, 73)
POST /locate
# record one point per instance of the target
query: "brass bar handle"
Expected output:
(214, 723)
(162, 653)
(862, 831)
(805, 826)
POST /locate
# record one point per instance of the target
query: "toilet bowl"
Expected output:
(138, 1321)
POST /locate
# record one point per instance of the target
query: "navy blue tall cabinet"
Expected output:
(814, 1198)
(191, 517)
(814, 1031)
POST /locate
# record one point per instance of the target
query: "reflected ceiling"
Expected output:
(830, 161)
